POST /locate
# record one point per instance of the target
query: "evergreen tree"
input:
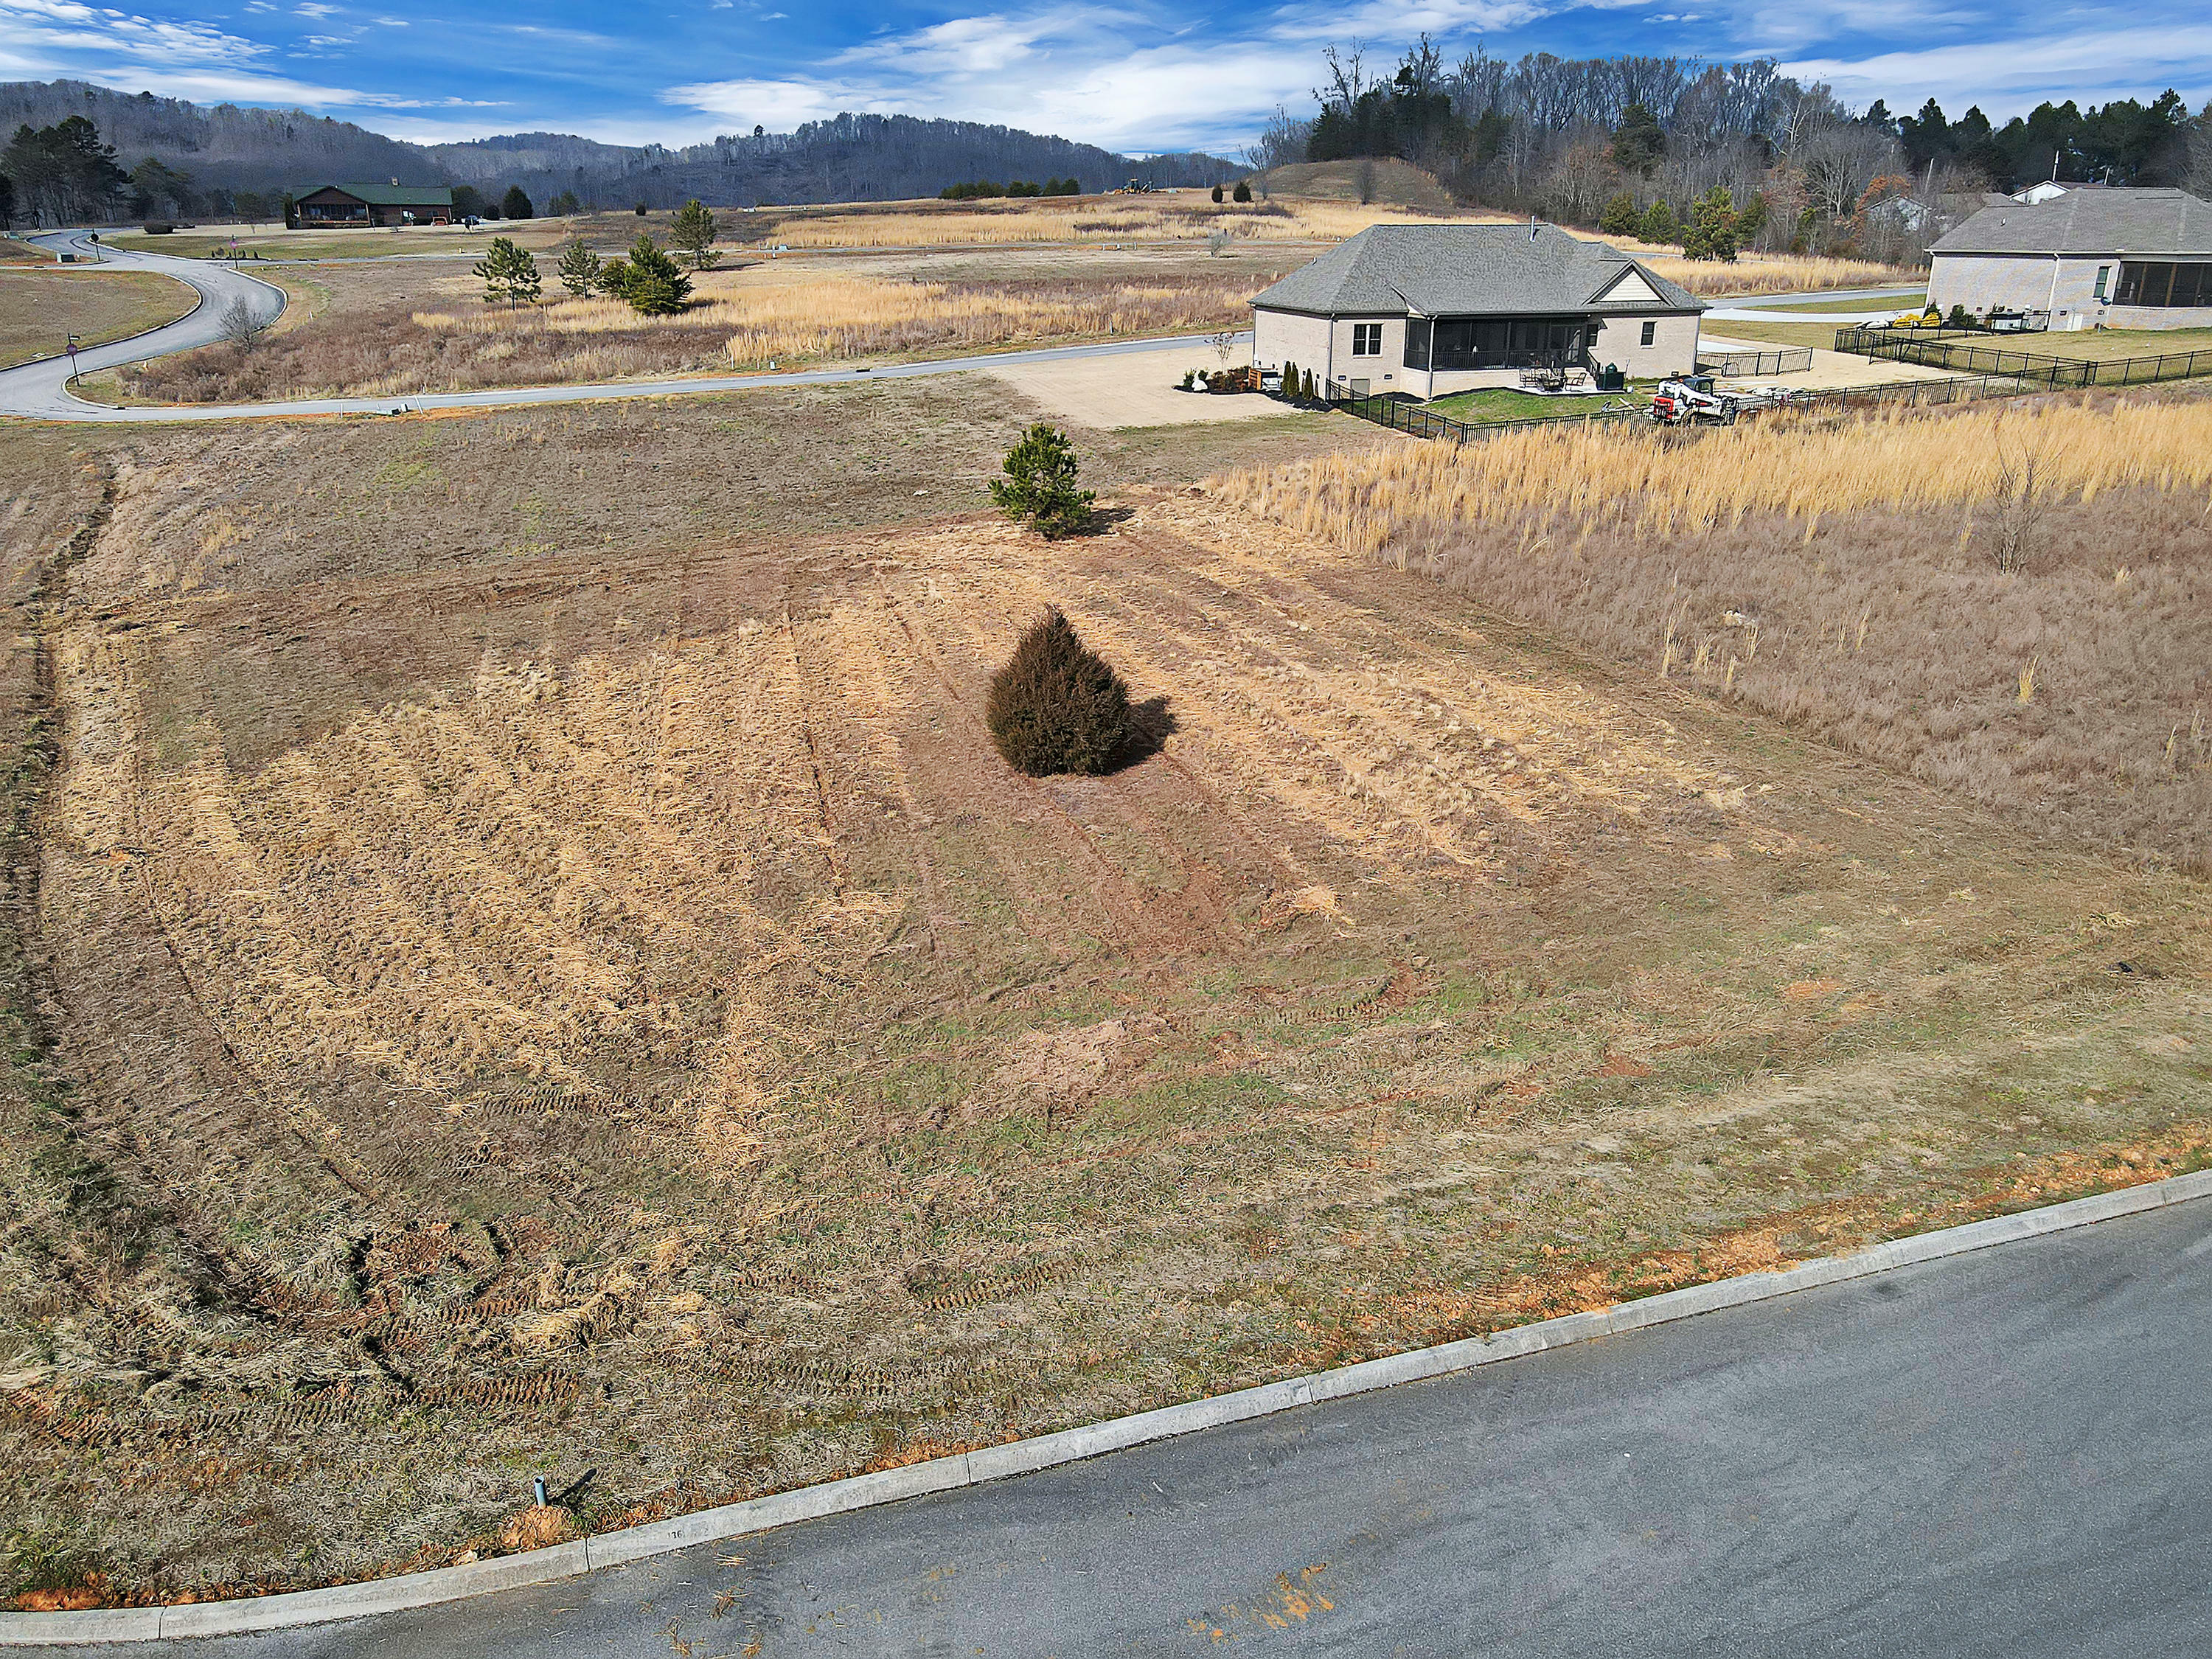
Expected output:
(565, 205)
(1638, 141)
(1057, 706)
(652, 282)
(468, 202)
(508, 273)
(516, 205)
(1659, 225)
(579, 269)
(1243, 192)
(1713, 231)
(1219, 194)
(694, 232)
(1619, 217)
(1039, 487)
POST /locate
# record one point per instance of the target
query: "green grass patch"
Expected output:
(1504, 403)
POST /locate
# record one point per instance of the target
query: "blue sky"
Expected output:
(1132, 75)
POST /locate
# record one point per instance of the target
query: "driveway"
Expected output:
(2002, 1454)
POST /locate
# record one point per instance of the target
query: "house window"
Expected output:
(2104, 274)
(1367, 340)
(1650, 334)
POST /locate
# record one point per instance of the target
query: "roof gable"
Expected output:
(1463, 270)
(1629, 288)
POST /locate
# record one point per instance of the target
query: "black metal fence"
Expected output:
(1950, 348)
(1788, 360)
(1422, 422)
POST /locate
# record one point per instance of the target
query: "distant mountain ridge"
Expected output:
(228, 148)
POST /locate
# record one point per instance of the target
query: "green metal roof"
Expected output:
(392, 195)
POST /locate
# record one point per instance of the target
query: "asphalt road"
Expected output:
(37, 390)
(2004, 1454)
(40, 389)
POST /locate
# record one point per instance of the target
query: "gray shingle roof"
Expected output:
(1465, 270)
(2088, 221)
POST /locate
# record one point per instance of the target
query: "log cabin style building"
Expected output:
(366, 207)
(1426, 310)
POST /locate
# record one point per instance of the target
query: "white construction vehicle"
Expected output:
(1690, 399)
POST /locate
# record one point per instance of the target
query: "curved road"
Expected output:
(39, 391)
(2002, 1454)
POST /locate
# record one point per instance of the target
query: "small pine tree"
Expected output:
(1619, 217)
(1057, 706)
(694, 232)
(508, 273)
(641, 209)
(1289, 385)
(1039, 487)
(516, 205)
(1659, 225)
(579, 269)
(1219, 195)
(565, 205)
(1243, 192)
(652, 282)
(1711, 234)
(1309, 386)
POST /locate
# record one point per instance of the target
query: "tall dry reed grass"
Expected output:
(1843, 576)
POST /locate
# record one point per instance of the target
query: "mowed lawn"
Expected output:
(40, 309)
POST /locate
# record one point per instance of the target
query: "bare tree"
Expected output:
(2196, 176)
(241, 325)
(2019, 507)
(1841, 161)
(1346, 77)
(1281, 142)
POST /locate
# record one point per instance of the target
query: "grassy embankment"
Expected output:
(1847, 577)
(40, 308)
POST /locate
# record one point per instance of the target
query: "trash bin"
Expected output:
(1610, 378)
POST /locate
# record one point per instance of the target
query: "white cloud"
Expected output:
(2093, 66)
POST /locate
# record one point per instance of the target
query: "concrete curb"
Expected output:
(1068, 1446)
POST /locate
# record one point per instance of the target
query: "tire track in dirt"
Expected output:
(1129, 925)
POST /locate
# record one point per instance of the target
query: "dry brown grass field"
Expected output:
(424, 326)
(39, 309)
(1847, 576)
(917, 279)
(537, 967)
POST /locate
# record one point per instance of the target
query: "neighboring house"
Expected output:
(2049, 190)
(2124, 258)
(1430, 309)
(373, 205)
